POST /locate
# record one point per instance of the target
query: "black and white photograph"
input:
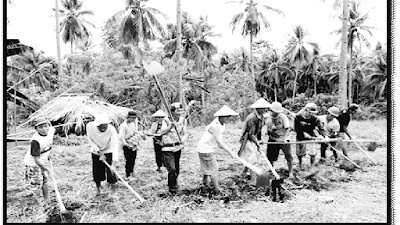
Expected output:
(188, 111)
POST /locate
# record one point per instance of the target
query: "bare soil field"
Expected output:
(320, 195)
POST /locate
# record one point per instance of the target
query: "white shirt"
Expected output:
(208, 143)
(106, 141)
(45, 143)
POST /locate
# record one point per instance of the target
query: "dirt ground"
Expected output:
(322, 194)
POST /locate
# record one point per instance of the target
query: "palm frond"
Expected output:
(236, 20)
(269, 8)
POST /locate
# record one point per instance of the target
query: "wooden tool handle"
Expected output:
(125, 183)
(365, 153)
(249, 165)
(344, 156)
(58, 195)
(271, 167)
(166, 105)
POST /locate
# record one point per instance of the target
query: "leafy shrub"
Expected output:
(324, 102)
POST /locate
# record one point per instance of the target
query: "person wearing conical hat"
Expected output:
(155, 131)
(37, 170)
(172, 146)
(209, 143)
(251, 136)
(278, 129)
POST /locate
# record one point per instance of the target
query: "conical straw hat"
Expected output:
(260, 103)
(225, 111)
(159, 113)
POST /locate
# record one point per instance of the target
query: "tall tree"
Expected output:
(74, 25)
(356, 31)
(38, 67)
(139, 23)
(58, 39)
(272, 70)
(299, 52)
(252, 26)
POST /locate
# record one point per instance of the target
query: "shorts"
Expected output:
(35, 176)
(273, 151)
(301, 149)
(208, 163)
(250, 152)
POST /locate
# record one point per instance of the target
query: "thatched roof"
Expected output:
(75, 110)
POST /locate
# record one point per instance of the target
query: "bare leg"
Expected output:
(312, 160)
(214, 180)
(252, 177)
(300, 161)
(45, 190)
(206, 181)
(113, 188)
(98, 186)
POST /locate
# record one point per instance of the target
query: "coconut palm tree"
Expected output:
(316, 68)
(376, 80)
(272, 69)
(356, 31)
(253, 19)
(74, 25)
(195, 45)
(40, 69)
(343, 51)
(299, 52)
(139, 23)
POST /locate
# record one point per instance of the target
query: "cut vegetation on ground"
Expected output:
(322, 194)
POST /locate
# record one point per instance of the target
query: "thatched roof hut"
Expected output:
(76, 110)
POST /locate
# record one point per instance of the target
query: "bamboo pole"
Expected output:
(316, 141)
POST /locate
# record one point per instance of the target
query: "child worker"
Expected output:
(36, 168)
(209, 142)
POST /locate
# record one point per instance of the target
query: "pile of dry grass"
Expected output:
(75, 110)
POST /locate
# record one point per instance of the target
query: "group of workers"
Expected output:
(170, 134)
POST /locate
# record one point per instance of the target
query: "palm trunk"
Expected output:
(252, 66)
(179, 44)
(72, 42)
(58, 39)
(350, 72)
(315, 87)
(295, 81)
(275, 92)
(343, 53)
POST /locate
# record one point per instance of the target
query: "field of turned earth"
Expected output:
(326, 193)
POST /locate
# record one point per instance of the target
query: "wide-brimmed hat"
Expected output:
(260, 103)
(101, 119)
(355, 108)
(311, 107)
(276, 107)
(39, 121)
(334, 111)
(225, 111)
(159, 113)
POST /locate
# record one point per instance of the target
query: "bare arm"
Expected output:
(218, 137)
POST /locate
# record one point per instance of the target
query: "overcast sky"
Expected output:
(32, 21)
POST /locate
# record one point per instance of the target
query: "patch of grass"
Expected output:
(330, 195)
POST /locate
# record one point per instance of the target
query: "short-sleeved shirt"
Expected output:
(277, 127)
(307, 125)
(40, 146)
(344, 119)
(332, 127)
(253, 125)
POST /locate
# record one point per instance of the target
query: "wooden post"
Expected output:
(15, 113)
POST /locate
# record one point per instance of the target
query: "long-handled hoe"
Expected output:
(65, 214)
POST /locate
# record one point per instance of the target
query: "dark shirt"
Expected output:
(308, 125)
(35, 148)
(253, 126)
(344, 119)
